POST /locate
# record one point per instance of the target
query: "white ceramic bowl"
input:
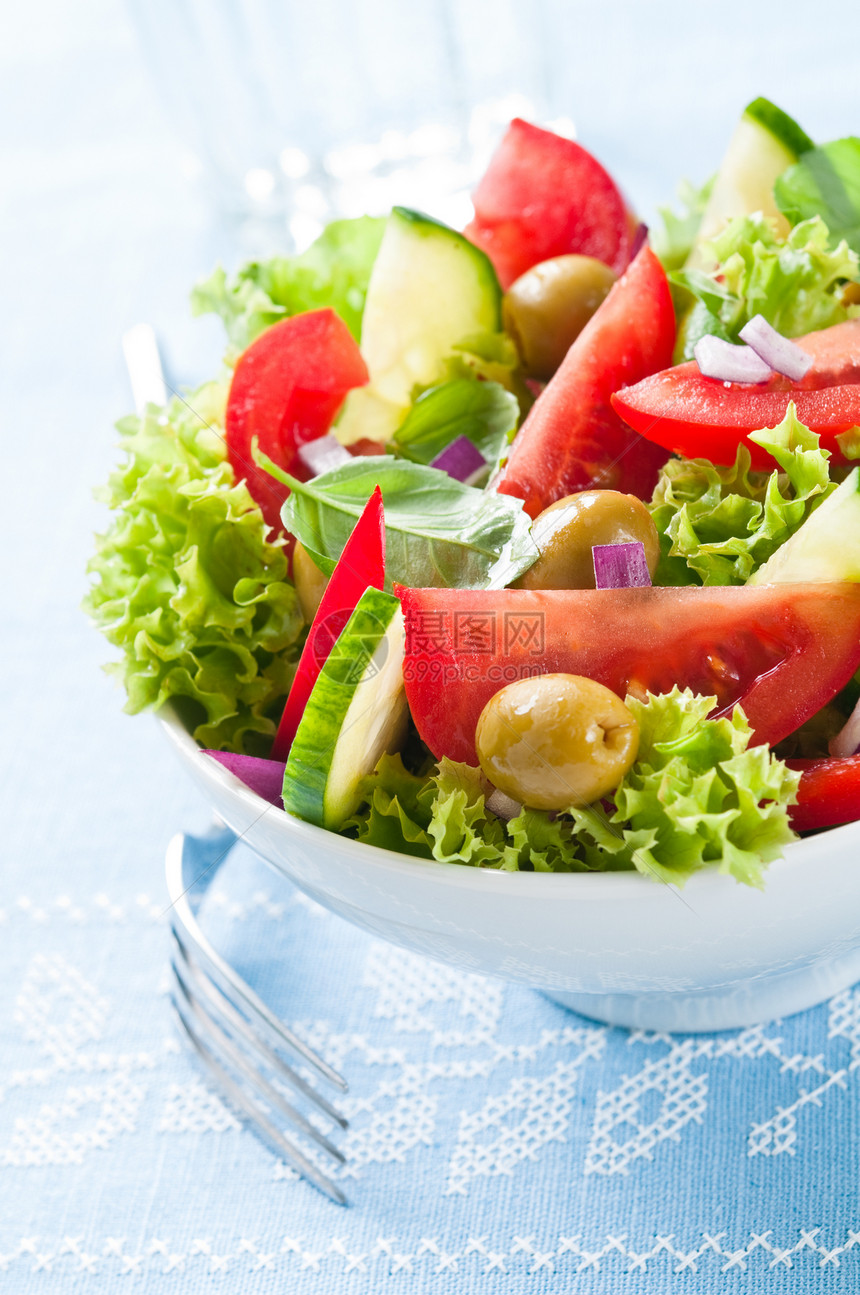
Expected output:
(615, 946)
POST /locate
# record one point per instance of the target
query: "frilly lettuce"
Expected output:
(186, 583)
(718, 525)
(795, 283)
(673, 238)
(334, 271)
(696, 797)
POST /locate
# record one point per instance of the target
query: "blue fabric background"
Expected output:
(498, 1143)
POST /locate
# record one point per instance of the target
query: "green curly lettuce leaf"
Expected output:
(673, 237)
(796, 283)
(186, 583)
(334, 271)
(696, 797)
(718, 525)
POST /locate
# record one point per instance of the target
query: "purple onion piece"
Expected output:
(323, 454)
(462, 460)
(639, 239)
(786, 357)
(265, 777)
(620, 566)
(847, 740)
(720, 359)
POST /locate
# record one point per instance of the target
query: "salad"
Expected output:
(534, 546)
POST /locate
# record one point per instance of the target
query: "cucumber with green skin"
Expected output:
(429, 289)
(825, 548)
(765, 143)
(356, 712)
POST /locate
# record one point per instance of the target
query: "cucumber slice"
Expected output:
(827, 546)
(356, 712)
(766, 141)
(430, 288)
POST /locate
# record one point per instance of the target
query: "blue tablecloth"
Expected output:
(497, 1143)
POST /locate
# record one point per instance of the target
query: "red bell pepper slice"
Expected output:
(542, 196)
(701, 417)
(360, 565)
(286, 389)
(829, 792)
(572, 439)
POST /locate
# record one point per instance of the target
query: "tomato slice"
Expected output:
(701, 417)
(829, 792)
(573, 439)
(286, 389)
(782, 651)
(542, 196)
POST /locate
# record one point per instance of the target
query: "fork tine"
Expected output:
(185, 919)
(255, 1117)
(239, 1062)
(216, 1005)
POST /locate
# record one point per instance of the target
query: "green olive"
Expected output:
(546, 309)
(556, 740)
(851, 294)
(566, 531)
(309, 581)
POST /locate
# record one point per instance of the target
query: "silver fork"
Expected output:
(225, 1022)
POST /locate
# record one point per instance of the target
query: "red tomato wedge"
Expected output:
(829, 792)
(782, 651)
(701, 417)
(360, 565)
(573, 439)
(286, 389)
(542, 196)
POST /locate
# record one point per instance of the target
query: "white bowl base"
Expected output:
(765, 999)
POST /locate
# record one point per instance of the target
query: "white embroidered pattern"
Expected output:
(194, 1108)
(386, 1256)
(682, 1098)
(441, 1028)
(65, 1018)
(100, 908)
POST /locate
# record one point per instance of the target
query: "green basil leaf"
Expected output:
(825, 182)
(438, 532)
(482, 411)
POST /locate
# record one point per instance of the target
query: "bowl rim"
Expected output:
(525, 885)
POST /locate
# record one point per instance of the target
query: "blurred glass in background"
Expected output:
(298, 113)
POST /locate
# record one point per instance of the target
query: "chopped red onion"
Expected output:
(847, 740)
(461, 459)
(786, 357)
(323, 454)
(501, 805)
(620, 566)
(265, 777)
(717, 358)
(639, 239)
